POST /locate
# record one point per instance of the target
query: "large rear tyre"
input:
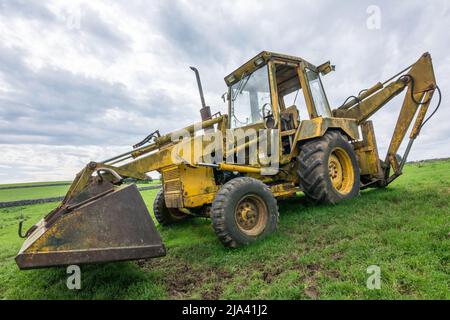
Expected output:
(328, 170)
(244, 211)
(166, 216)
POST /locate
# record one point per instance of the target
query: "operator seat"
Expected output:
(289, 118)
(289, 123)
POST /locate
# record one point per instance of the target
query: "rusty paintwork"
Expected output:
(99, 221)
(420, 84)
(367, 152)
(318, 126)
(115, 227)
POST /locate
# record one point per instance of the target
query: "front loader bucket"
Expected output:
(112, 226)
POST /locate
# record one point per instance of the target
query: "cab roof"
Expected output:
(259, 60)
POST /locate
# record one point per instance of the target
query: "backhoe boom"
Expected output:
(420, 84)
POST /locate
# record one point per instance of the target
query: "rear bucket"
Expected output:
(112, 226)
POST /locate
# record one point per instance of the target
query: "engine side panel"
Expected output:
(188, 187)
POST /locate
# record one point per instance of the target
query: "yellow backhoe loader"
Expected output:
(279, 137)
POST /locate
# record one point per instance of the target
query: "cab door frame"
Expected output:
(300, 68)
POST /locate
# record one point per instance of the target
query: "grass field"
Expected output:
(40, 192)
(24, 184)
(32, 193)
(318, 252)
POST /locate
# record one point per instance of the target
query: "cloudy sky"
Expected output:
(84, 80)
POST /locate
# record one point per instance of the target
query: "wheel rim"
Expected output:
(251, 215)
(340, 170)
(176, 214)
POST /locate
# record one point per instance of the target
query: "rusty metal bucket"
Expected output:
(112, 225)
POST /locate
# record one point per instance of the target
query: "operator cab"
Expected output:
(276, 91)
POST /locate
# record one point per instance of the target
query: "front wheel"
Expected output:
(244, 211)
(166, 216)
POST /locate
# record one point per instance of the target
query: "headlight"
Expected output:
(259, 61)
(231, 79)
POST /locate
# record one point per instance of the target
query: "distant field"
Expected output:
(319, 252)
(32, 193)
(40, 192)
(31, 183)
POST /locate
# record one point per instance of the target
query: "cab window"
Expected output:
(250, 99)
(318, 94)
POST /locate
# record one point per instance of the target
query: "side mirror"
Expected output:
(225, 96)
(326, 68)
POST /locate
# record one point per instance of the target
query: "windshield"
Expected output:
(250, 98)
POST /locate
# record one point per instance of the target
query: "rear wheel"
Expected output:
(243, 211)
(328, 170)
(166, 216)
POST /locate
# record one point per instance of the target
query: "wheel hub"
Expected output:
(340, 170)
(251, 215)
(335, 171)
(248, 214)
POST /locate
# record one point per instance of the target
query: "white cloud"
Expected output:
(40, 162)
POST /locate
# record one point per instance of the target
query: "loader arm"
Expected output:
(420, 84)
(99, 220)
(150, 157)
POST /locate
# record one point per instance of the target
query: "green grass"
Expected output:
(32, 193)
(41, 192)
(318, 252)
(31, 183)
(154, 181)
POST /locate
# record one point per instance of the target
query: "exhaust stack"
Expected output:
(205, 111)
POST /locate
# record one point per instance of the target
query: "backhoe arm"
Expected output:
(420, 85)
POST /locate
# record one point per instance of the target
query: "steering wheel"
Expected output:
(268, 117)
(263, 109)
